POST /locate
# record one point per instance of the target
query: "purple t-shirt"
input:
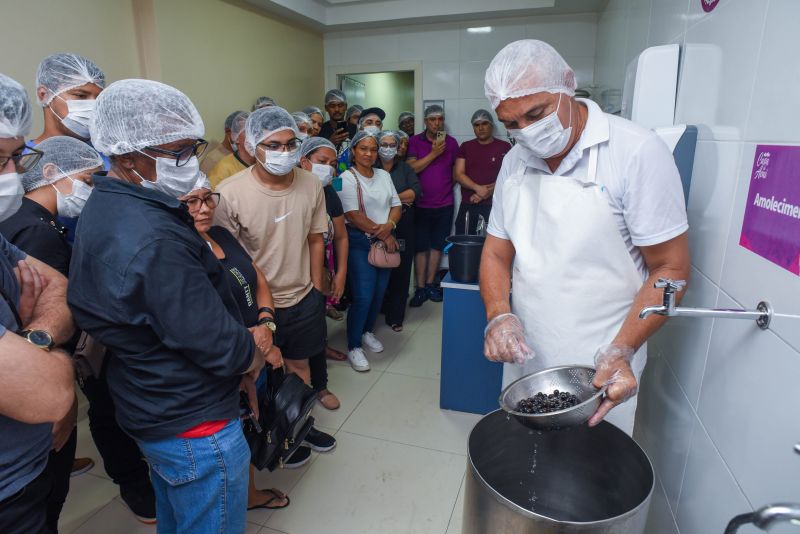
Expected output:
(482, 164)
(437, 178)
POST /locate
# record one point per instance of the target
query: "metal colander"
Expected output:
(575, 379)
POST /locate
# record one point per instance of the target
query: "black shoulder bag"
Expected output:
(285, 419)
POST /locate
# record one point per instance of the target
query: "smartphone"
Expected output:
(440, 136)
(244, 404)
(342, 125)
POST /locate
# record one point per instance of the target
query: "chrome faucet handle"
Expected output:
(669, 285)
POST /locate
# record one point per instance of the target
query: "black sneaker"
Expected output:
(420, 296)
(435, 293)
(319, 441)
(300, 458)
(141, 501)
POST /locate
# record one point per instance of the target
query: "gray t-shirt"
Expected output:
(23, 454)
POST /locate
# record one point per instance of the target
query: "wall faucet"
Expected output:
(767, 517)
(762, 314)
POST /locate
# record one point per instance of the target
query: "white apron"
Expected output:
(574, 280)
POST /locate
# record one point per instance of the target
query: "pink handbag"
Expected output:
(378, 255)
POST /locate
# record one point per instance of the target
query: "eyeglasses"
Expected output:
(183, 156)
(195, 203)
(24, 161)
(388, 145)
(281, 147)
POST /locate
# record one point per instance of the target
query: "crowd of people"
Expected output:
(188, 269)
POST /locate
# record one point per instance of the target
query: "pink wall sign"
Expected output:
(709, 5)
(771, 226)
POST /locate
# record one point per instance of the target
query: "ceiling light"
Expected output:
(480, 29)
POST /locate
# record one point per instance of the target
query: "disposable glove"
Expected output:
(504, 340)
(614, 372)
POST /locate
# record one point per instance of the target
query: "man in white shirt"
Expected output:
(588, 213)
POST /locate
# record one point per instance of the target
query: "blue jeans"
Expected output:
(367, 286)
(200, 483)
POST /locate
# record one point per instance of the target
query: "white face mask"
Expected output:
(387, 153)
(71, 205)
(372, 129)
(11, 192)
(173, 180)
(280, 163)
(79, 115)
(546, 137)
(233, 146)
(323, 172)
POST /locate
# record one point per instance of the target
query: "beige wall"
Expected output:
(221, 55)
(224, 57)
(393, 92)
(101, 30)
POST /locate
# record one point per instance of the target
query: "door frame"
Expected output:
(334, 71)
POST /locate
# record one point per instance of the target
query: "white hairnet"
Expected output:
(63, 156)
(301, 118)
(389, 133)
(402, 134)
(62, 72)
(335, 95)
(312, 144)
(527, 67)
(481, 116)
(264, 102)
(358, 137)
(264, 122)
(15, 110)
(237, 126)
(310, 110)
(229, 119)
(434, 110)
(201, 183)
(355, 109)
(403, 116)
(133, 114)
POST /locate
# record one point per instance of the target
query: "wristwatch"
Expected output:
(39, 338)
(269, 322)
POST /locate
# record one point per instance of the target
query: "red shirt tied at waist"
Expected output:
(203, 430)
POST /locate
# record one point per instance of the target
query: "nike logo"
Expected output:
(282, 217)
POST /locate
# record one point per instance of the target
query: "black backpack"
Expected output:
(285, 419)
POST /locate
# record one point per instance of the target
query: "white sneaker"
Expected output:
(358, 360)
(372, 342)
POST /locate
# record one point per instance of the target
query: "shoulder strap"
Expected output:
(358, 191)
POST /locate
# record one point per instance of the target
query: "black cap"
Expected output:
(374, 111)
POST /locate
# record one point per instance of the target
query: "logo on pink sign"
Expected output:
(709, 5)
(771, 226)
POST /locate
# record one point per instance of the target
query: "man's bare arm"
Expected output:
(495, 275)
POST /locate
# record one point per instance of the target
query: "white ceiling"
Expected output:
(336, 15)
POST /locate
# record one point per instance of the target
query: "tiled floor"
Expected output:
(398, 467)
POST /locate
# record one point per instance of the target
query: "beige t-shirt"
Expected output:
(273, 227)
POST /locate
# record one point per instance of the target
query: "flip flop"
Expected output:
(276, 495)
(397, 327)
(335, 355)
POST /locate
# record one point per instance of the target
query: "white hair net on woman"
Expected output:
(63, 156)
(237, 125)
(61, 72)
(229, 119)
(301, 118)
(358, 137)
(389, 133)
(133, 114)
(264, 122)
(527, 67)
(311, 110)
(15, 110)
(312, 144)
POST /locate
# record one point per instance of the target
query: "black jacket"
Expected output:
(145, 284)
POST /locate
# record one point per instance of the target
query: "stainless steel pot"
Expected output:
(579, 479)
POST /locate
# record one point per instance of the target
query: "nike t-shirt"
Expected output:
(273, 227)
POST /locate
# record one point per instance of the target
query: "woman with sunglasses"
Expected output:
(252, 294)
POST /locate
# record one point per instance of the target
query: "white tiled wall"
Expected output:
(454, 61)
(720, 401)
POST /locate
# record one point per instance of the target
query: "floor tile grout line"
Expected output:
(458, 494)
(91, 515)
(464, 455)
